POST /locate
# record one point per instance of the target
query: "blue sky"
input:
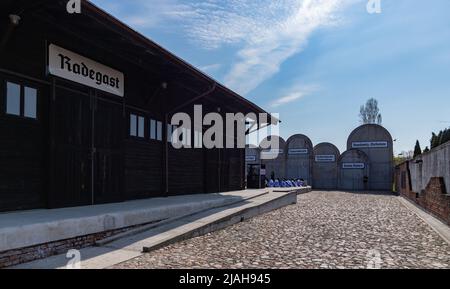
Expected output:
(315, 62)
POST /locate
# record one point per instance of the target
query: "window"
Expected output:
(198, 139)
(170, 130)
(152, 129)
(30, 102)
(133, 125)
(137, 125)
(13, 99)
(159, 131)
(169, 133)
(155, 130)
(141, 125)
(186, 137)
(21, 100)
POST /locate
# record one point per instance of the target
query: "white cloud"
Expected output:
(294, 94)
(265, 33)
(287, 99)
(210, 67)
(145, 14)
(262, 57)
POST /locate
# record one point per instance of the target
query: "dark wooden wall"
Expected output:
(23, 155)
(80, 143)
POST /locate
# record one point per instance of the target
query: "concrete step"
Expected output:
(148, 227)
(204, 222)
(299, 191)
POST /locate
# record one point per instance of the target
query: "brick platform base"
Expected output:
(24, 255)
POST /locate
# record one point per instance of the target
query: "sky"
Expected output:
(315, 62)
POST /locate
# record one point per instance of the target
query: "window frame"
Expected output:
(156, 132)
(24, 102)
(153, 132)
(173, 128)
(22, 85)
(137, 115)
(159, 131)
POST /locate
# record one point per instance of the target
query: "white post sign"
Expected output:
(370, 144)
(271, 153)
(250, 158)
(325, 158)
(350, 166)
(298, 151)
(69, 65)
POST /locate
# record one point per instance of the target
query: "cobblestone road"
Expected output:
(324, 230)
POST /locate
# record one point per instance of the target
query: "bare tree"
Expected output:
(370, 113)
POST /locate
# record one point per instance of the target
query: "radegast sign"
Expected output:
(353, 166)
(325, 158)
(69, 65)
(369, 144)
(298, 151)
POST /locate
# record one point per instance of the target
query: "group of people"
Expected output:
(283, 183)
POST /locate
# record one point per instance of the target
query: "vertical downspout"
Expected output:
(93, 100)
(165, 155)
(52, 145)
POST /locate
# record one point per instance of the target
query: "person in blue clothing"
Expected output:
(302, 182)
(276, 183)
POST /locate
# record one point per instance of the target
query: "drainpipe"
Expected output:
(166, 122)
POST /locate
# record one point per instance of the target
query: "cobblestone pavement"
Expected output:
(324, 230)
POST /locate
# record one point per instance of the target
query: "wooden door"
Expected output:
(108, 136)
(72, 155)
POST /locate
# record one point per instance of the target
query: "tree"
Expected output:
(439, 138)
(370, 113)
(434, 140)
(417, 149)
(445, 136)
(403, 156)
(426, 150)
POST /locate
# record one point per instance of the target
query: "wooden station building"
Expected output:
(85, 106)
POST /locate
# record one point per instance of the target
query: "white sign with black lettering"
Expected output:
(250, 158)
(272, 152)
(325, 158)
(353, 166)
(69, 65)
(298, 151)
(369, 144)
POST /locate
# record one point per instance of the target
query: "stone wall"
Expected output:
(433, 198)
(435, 163)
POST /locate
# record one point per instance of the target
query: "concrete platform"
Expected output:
(111, 253)
(30, 228)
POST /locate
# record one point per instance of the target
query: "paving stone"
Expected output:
(323, 230)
